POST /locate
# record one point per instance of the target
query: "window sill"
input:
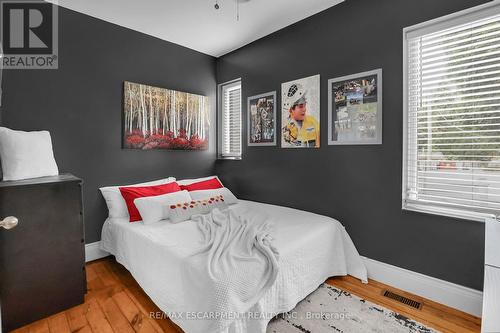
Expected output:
(447, 212)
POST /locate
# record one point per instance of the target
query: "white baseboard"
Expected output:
(93, 252)
(447, 293)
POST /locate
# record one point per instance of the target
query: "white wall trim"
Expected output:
(93, 252)
(444, 292)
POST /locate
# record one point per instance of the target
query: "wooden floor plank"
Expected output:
(123, 275)
(58, 323)
(139, 321)
(24, 329)
(85, 329)
(76, 317)
(96, 318)
(41, 326)
(115, 316)
(101, 268)
(149, 308)
(90, 272)
(115, 303)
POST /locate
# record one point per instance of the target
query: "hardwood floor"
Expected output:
(116, 303)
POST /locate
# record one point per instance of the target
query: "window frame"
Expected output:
(220, 132)
(434, 25)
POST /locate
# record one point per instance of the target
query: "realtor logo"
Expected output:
(29, 35)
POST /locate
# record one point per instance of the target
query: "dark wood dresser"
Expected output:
(42, 259)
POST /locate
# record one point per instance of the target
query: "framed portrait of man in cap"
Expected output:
(300, 113)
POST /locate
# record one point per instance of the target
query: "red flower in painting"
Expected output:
(159, 140)
(151, 145)
(156, 137)
(134, 141)
(180, 143)
(164, 145)
(197, 143)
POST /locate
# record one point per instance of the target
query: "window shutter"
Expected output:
(453, 117)
(230, 135)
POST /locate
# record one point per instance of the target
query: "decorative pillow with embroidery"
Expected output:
(157, 208)
(228, 196)
(183, 211)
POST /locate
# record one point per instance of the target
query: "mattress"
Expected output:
(311, 248)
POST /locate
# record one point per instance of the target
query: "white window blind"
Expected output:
(230, 120)
(452, 136)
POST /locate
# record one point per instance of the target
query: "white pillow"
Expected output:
(227, 196)
(117, 208)
(157, 208)
(184, 210)
(26, 154)
(195, 180)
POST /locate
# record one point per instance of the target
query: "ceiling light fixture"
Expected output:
(237, 10)
(217, 7)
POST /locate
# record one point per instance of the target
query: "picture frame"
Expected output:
(156, 118)
(355, 111)
(301, 113)
(261, 129)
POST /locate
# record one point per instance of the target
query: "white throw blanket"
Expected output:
(232, 270)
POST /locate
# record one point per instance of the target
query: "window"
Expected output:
(229, 120)
(452, 115)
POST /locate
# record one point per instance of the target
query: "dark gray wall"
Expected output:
(358, 185)
(81, 105)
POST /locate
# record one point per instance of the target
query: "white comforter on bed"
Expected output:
(311, 248)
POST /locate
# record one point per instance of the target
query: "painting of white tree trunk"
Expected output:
(158, 118)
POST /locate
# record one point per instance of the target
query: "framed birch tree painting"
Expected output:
(159, 118)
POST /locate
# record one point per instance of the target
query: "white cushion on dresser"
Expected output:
(26, 154)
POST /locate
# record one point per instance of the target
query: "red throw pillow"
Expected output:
(129, 194)
(210, 184)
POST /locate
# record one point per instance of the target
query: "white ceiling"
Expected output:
(196, 24)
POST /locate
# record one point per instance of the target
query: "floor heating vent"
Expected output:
(402, 299)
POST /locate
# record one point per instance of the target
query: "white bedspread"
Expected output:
(311, 248)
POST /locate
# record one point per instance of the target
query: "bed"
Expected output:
(311, 248)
